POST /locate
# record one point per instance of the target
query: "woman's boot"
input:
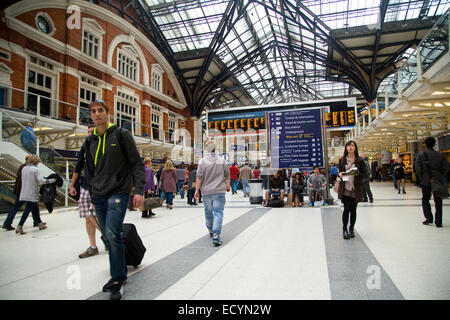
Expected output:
(351, 234)
(19, 230)
(346, 237)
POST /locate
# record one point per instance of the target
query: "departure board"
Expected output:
(296, 139)
(251, 120)
(340, 118)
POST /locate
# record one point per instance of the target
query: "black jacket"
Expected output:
(438, 166)
(113, 163)
(48, 191)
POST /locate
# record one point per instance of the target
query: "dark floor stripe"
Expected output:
(150, 282)
(352, 266)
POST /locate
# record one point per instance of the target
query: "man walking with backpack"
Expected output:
(114, 167)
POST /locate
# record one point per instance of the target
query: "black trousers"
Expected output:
(350, 205)
(426, 207)
(297, 193)
(367, 191)
(191, 193)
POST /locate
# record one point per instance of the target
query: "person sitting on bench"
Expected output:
(317, 183)
(276, 186)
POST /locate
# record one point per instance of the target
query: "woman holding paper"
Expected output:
(351, 189)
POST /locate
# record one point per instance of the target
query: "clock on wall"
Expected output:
(43, 24)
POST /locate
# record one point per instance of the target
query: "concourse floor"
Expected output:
(267, 253)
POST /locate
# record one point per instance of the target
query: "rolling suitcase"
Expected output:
(134, 248)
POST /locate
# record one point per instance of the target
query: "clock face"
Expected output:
(43, 25)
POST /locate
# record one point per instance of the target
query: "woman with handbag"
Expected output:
(169, 182)
(149, 187)
(352, 170)
(192, 176)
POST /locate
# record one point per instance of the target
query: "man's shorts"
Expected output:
(84, 204)
(274, 192)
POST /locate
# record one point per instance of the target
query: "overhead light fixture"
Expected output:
(78, 134)
(436, 93)
(393, 123)
(384, 129)
(42, 129)
(405, 115)
(425, 104)
(438, 105)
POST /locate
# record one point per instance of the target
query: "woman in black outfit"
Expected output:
(297, 189)
(351, 192)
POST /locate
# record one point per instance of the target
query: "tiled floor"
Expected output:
(278, 253)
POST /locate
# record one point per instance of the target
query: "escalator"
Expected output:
(12, 157)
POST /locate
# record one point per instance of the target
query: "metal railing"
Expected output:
(42, 105)
(11, 129)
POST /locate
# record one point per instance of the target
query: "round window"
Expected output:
(43, 24)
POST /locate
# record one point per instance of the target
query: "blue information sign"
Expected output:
(296, 138)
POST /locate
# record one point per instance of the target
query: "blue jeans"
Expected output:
(16, 207)
(245, 187)
(234, 183)
(180, 190)
(214, 205)
(169, 198)
(30, 207)
(394, 179)
(111, 213)
(162, 195)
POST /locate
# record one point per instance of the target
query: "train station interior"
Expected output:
(176, 74)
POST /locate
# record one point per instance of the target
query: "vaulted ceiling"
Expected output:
(230, 53)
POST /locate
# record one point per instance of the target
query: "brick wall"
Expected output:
(68, 85)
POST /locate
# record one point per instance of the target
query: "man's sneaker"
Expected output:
(117, 290)
(325, 204)
(310, 204)
(216, 240)
(108, 286)
(88, 253)
(211, 234)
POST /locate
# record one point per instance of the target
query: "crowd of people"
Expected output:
(117, 179)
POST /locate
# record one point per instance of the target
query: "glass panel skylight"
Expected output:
(289, 54)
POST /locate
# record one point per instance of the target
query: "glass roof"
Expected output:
(272, 48)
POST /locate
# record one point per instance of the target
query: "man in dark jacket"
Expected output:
(114, 167)
(438, 166)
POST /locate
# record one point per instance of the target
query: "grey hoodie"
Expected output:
(214, 172)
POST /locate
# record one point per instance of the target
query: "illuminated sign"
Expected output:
(340, 118)
(251, 120)
(244, 122)
(296, 138)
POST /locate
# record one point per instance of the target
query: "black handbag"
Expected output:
(438, 187)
